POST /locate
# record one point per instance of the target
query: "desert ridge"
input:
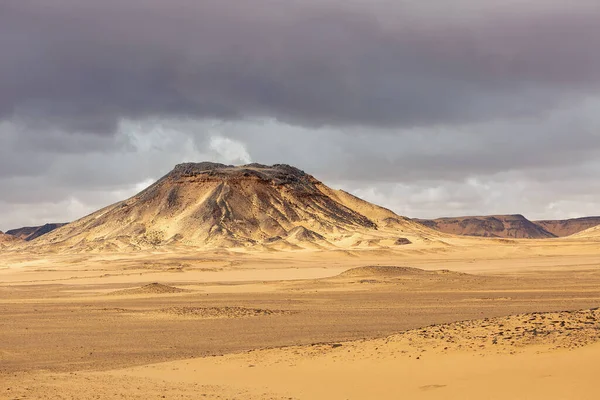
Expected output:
(499, 226)
(568, 227)
(29, 233)
(493, 226)
(509, 226)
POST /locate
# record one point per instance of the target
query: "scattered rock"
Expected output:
(402, 241)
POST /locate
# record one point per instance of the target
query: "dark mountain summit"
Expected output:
(33, 232)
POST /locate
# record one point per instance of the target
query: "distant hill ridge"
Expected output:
(509, 226)
(278, 207)
(568, 227)
(29, 233)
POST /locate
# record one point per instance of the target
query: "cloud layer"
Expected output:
(396, 100)
(83, 66)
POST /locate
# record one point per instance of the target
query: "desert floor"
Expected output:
(484, 320)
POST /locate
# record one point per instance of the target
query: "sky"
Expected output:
(437, 108)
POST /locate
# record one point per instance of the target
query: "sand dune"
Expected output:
(591, 233)
(379, 271)
(151, 288)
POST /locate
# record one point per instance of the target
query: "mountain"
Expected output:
(501, 226)
(568, 227)
(213, 205)
(33, 232)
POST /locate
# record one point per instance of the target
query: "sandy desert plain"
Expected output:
(444, 317)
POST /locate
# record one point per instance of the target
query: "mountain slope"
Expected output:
(568, 227)
(219, 206)
(590, 233)
(29, 233)
(501, 226)
(7, 241)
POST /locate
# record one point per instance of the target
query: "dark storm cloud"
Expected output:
(82, 66)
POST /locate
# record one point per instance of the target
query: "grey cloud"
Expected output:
(430, 108)
(84, 66)
(537, 170)
(510, 193)
(551, 142)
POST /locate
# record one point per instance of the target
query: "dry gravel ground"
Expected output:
(290, 326)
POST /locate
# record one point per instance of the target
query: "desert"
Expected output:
(299, 200)
(285, 288)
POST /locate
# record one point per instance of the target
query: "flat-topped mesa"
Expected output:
(568, 227)
(278, 174)
(211, 205)
(505, 226)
